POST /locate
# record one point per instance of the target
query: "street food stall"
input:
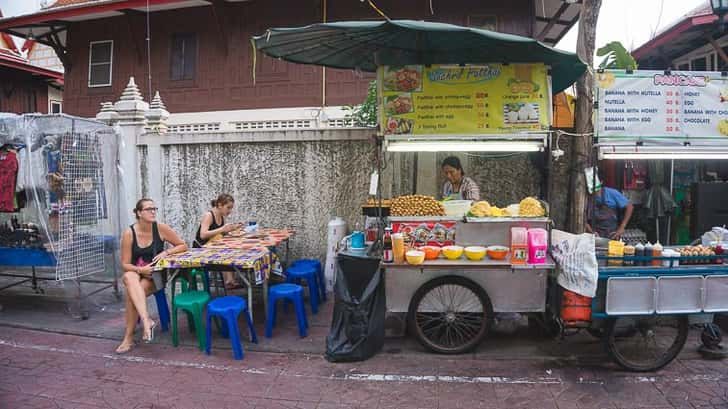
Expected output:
(449, 267)
(661, 116)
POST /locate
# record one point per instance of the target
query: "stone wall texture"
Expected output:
(298, 185)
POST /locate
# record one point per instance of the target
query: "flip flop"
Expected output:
(128, 347)
(151, 333)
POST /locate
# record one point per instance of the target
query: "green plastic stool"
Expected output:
(192, 302)
(195, 277)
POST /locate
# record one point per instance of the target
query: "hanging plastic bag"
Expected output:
(576, 257)
(357, 326)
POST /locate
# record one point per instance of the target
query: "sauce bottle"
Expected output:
(657, 252)
(648, 253)
(387, 253)
(639, 251)
(629, 251)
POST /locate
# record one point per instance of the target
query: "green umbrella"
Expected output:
(364, 45)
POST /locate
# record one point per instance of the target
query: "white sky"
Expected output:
(631, 22)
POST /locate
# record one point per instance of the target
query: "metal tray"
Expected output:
(716, 293)
(680, 294)
(631, 295)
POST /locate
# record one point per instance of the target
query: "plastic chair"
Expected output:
(319, 270)
(162, 309)
(228, 308)
(305, 271)
(292, 292)
(192, 302)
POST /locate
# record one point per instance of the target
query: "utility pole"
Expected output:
(582, 144)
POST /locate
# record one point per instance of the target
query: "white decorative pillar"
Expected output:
(157, 116)
(107, 114)
(156, 128)
(131, 109)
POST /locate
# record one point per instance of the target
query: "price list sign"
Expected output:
(657, 104)
(474, 99)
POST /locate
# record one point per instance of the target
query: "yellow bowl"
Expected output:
(415, 257)
(452, 252)
(475, 253)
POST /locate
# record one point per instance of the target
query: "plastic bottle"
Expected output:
(629, 251)
(639, 251)
(387, 253)
(648, 253)
(657, 252)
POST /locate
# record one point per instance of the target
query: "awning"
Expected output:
(364, 45)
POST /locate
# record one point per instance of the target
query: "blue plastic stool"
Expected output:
(228, 308)
(292, 292)
(296, 273)
(162, 309)
(319, 270)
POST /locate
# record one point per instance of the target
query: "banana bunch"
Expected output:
(480, 209)
(530, 207)
(499, 212)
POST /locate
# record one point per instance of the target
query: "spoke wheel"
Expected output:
(646, 343)
(450, 315)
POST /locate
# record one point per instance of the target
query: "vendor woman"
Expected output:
(212, 224)
(458, 186)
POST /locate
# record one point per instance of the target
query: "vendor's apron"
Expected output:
(606, 218)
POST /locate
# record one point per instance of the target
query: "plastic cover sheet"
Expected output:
(69, 176)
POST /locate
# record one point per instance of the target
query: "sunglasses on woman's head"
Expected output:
(150, 209)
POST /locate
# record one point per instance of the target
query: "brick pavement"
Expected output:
(48, 370)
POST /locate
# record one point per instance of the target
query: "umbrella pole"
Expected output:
(669, 216)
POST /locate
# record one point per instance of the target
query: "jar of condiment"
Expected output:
(629, 251)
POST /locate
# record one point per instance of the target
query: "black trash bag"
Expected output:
(357, 327)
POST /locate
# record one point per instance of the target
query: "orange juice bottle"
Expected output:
(519, 245)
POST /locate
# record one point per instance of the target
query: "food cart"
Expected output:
(449, 304)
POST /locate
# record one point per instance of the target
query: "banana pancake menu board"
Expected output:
(471, 99)
(659, 104)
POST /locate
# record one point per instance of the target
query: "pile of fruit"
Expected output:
(416, 205)
(530, 207)
(697, 252)
(484, 209)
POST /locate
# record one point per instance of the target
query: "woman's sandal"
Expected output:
(124, 348)
(150, 339)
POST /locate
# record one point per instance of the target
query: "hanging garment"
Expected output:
(8, 179)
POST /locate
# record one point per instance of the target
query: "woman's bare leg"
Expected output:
(138, 298)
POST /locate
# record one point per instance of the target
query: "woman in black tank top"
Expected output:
(141, 245)
(213, 224)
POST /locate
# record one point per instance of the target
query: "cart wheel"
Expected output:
(645, 343)
(450, 314)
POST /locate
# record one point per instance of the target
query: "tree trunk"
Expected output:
(582, 146)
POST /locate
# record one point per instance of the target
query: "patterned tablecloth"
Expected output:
(263, 238)
(259, 260)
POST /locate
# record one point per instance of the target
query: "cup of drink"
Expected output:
(398, 247)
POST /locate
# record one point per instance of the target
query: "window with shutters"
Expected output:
(184, 56)
(100, 60)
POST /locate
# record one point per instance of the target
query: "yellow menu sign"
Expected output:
(473, 99)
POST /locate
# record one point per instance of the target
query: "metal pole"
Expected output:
(669, 216)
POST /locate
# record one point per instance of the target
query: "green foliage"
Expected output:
(616, 57)
(365, 114)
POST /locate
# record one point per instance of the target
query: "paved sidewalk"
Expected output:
(42, 370)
